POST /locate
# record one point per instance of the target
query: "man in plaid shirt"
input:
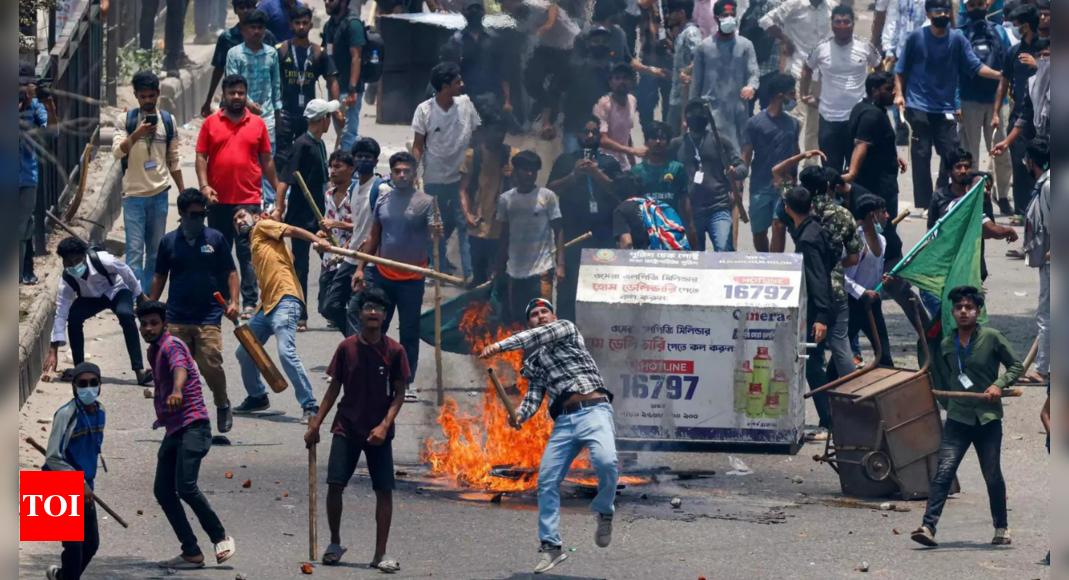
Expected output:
(560, 365)
(181, 412)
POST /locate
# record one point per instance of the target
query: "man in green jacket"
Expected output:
(973, 355)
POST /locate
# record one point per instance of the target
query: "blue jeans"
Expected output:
(452, 220)
(594, 428)
(282, 323)
(268, 191)
(718, 226)
(145, 219)
(407, 299)
(352, 121)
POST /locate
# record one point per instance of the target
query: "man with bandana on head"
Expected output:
(560, 368)
(198, 262)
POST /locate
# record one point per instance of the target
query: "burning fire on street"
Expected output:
(477, 446)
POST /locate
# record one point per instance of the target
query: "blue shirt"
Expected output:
(279, 19)
(932, 66)
(33, 117)
(978, 89)
(197, 272)
(83, 448)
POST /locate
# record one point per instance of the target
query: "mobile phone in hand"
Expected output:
(152, 119)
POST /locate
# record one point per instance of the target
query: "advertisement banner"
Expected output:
(698, 346)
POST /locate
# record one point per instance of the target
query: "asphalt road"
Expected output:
(759, 526)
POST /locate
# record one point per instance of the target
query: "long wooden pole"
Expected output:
(510, 408)
(440, 383)
(315, 208)
(313, 500)
(963, 395)
(426, 272)
(96, 498)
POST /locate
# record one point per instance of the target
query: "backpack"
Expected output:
(1036, 234)
(750, 29)
(663, 225)
(373, 53)
(131, 126)
(988, 46)
(94, 258)
(374, 195)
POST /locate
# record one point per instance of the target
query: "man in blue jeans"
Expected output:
(281, 301)
(710, 189)
(402, 230)
(560, 367)
(344, 37)
(150, 161)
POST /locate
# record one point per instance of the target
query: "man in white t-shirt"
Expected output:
(531, 231)
(842, 62)
(443, 127)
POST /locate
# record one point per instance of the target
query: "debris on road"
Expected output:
(240, 576)
(738, 467)
(306, 569)
(229, 475)
(140, 512)
(797, 480)
(886, 507)
(896, 532)
(864, 567)
(148, 393)
(247, 484)
(677, 502)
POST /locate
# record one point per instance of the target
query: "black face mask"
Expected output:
(697, 122)
(599, 51)
(940, 22)
(977, 15)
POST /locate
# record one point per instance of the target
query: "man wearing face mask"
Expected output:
(94, 281)
(726, 74)
(477, 51)
(74, 445)
(926, 76)
(198, 263)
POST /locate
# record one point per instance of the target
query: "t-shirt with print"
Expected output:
(617, 121)
(294, 65)
(664, 183)
(406, 220)
(843, 70)
(529, 217)
(273, 263)
(196, 271)
(339, 211)
(774, 139)
(339, 36)
(491, 183)
(447, 135)
(368, 373)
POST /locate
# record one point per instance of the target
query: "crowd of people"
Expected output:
(783, 93)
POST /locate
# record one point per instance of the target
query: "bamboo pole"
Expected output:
(426, 272)
(963, 395)
(438, 310)
(313, 500)
(315, 208)
(96, 498)
(510, 408)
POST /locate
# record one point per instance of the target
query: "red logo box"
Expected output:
(51, 506)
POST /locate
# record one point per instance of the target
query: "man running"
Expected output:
(561, 367)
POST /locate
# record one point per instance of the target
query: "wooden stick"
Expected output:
(313, 500)
(438, 310)
(963, 395)
(315, 208)
(72, 209)
(427, 272)
(905, 214)
(577, 240)
(502, 395)
(62, 225)
(96, 498)
(1032, 354)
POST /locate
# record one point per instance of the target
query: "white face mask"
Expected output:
(88, 396)
(728, 25)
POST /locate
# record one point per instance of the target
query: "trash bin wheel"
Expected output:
(877, 466)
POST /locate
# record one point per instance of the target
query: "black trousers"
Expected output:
(336, 290)
(957, 438)
(930, 130)
(817, 377)
(77, 555)
(177, 471)
(123, 307)
(836, 142)
(302, 264)
(483, 254)
(289, 128)
(174, 27)
(544, 78)
(1024, 182)
(221, 217)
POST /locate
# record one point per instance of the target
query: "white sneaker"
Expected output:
(603, 537)
(53, 573)
(551, 556)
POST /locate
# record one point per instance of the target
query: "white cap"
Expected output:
(318, 108)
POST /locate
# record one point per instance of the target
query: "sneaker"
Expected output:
(551, 556)
(144, 378)
(54, 571)
(309, 414)
(924, 537)
(225, 419)
(1046, 561)
(1002, 537)
(603, 537)
(1004, 207)
(253, 405)
(206, 38)
(859, 362)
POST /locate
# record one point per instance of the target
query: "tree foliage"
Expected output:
(28, 10)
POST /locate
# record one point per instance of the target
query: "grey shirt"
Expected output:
(722, 68)
(406, 220)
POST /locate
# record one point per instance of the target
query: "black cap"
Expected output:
(27, 73)
(86, 368)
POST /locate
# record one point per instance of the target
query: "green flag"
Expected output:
(489, 305)
(949, 255)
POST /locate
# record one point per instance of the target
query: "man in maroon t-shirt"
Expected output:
(374, 370)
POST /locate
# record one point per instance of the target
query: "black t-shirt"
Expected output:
(584, 84)
(479, 58)
(879, 171)
(1018, 74)
(856, 191)
(587, 205)
(196, 272)
(310, 158)
(295, 64)
(627, 219)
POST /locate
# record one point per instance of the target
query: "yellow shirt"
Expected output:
(151, 162)
(273, 264)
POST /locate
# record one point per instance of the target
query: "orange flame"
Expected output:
(475, 444)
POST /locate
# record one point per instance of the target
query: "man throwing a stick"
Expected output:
(374, 371)
(561, 367)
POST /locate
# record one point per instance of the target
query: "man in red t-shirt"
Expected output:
(374, 370)
(233, 158)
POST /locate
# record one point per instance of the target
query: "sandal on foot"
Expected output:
(387, 566)
(302, 326)
(225, 550)
(333, 555)
(924, 537)
(247, 314)
(1034, 379)
(180, 563)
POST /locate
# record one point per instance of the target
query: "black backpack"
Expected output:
(373, 53)
(98, 265)
(988, 46)
(131, 126)
(750, 29)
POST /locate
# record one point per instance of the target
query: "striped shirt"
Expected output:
(166, 355)
(560, 367)
(261, 71)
